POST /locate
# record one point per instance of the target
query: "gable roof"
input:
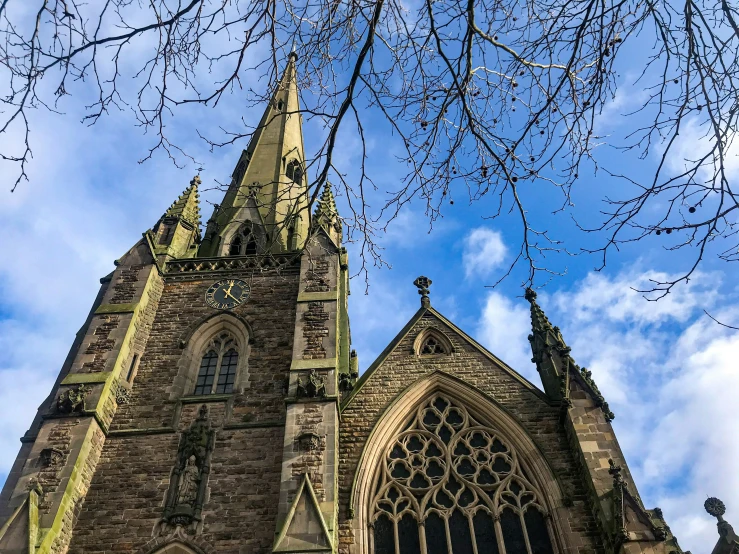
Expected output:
(472, 342)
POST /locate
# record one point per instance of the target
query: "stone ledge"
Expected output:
(321, 363)
(116, 309)
(134, 432)
(77, 378)
(328, 296)
(203, 398)
(304, 400)
(253, 425)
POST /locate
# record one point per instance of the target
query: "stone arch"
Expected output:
(195, 341)
(403, 410)
(439, 338)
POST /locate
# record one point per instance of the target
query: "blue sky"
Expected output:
(668, 372)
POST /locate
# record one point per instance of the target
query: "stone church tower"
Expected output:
(210, 404)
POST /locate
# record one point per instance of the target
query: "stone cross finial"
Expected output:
(423, 284)
(715, 507)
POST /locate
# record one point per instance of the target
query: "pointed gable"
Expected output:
(408, 344)
(304, 528)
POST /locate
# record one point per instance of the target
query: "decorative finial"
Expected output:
(195, 180)
(293, 54)
(715, 507)
(423, 284)
(530, 294)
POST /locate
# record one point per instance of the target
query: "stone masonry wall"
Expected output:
(541, 420)
(127, 494)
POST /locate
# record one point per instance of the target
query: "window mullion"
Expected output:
(471, 524)
(499, 534)
(448, 533)
(422, 536)
(218, 369)
(395, 536)
(525, 532)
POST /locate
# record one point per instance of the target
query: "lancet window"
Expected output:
(217, 372)
(450, 485)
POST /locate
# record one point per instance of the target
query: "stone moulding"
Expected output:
(197, 265)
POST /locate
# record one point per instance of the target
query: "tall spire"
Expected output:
(268, 187)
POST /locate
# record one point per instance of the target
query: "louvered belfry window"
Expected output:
(217, 373)
(450, 485)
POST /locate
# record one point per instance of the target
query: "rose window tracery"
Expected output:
(450, 485)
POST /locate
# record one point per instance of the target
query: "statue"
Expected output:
(186, 493)
(189, 481)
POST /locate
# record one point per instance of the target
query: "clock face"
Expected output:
(226, 294)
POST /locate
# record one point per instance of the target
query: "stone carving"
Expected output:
(51, 457)
(72, 400)
(309, 441)
(189, 479)
(122, 394)
(715, 507)
(346, 382)
(187, 484)
(313, 387)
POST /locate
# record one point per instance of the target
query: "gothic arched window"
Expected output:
(217, 371)
(244, 242)
(294, 172)
(449, 481)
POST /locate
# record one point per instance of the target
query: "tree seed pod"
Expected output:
(691, 209)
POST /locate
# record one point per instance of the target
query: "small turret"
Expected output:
(548, 348)
(177, 233)
(554, 363)
(326, 215)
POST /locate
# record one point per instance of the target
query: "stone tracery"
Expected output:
(448, 481)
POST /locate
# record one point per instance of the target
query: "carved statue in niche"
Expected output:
(189, 479)
(72, 400)
(313, 387)
(188, 482)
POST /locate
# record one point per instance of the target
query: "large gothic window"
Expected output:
(217, 372)
(450, 485)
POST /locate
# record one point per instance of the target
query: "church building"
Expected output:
(211, 403)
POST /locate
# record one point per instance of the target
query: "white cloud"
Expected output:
(503, 329)
(484, 251)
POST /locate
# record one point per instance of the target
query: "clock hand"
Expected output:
(228, 293)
